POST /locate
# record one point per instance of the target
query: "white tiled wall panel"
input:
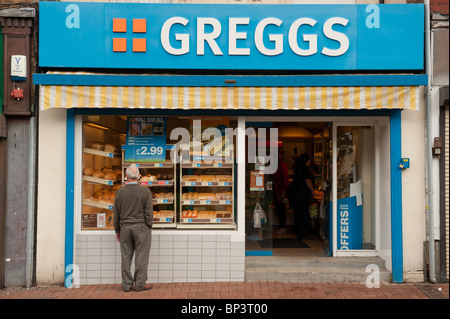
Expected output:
(173, 258)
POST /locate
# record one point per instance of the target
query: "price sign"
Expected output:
(153, 150)
(146, 139)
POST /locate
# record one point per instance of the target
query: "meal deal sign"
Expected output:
(230, 36)
(146, 139)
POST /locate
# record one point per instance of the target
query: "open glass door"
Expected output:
(258, 193)
(354, 223)
(282, 228)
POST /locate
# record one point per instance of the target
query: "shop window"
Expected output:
(188, 163)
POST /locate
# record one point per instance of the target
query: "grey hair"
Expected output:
(132, 172)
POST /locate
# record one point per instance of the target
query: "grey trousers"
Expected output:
(135, 239)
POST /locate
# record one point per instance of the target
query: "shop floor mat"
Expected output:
(283, 243)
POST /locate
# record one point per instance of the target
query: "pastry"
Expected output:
(165, 213)
(110, 148)
(107, 170)
(207, 178)
(148, 178)
(110, 176)
(98, 146)
(206, 196)
(161, 176)
(190, 178)
(223, 178)
(88, 171)
(97, 173)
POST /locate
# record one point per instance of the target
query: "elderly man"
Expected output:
(133, 220)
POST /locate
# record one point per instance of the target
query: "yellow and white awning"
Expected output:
(230, 98)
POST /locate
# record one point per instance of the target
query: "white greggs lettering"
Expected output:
(234, 36)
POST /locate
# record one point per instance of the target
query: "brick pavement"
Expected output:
(238, 290)
(257, 299)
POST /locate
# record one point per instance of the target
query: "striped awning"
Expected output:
(230, 98)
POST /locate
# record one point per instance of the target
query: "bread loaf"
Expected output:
(97, 146)
(110, 176)
(88, 171)
(97, 173)
(223, 178)
(110, 148)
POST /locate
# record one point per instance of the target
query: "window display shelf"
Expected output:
(98, 180)
(162, 201)
(103, 205)
(164, 216)
(206, 225)
(154, 183)
(101, 177)
(206, 202)
(206, 220)
(206, 165)
(101, 153)
(206, 195)
(161, 177)
(150, 165)
(206, 184)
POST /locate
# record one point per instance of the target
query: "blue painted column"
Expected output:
(70, 182)
(396, 197)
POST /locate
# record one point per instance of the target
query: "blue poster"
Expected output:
(349, 224)
(146, 139)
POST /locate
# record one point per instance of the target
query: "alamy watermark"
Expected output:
(73, 277)
(220, 144)
(373, 279)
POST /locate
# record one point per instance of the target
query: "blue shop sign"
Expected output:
(231, 37)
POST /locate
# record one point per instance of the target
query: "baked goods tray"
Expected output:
(206, 220)
(97, 204)
(162, 220)
(162, 201)
(164, 216)
(167, 164)
(206, 183)
(205, 202)
(206, 165)
(206, 225)
(101, 153)
(98, 180)
(154, 183)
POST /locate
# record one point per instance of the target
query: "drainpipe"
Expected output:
(429, 156)
(29, 261)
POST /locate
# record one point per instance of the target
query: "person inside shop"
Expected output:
(133, 221)
(281, 184)
(300, 195)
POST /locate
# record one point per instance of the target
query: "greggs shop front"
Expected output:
(213, 102)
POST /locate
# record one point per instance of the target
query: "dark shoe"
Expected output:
(145, 287)
(127, 289)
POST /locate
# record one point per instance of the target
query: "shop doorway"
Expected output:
(272, 227)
